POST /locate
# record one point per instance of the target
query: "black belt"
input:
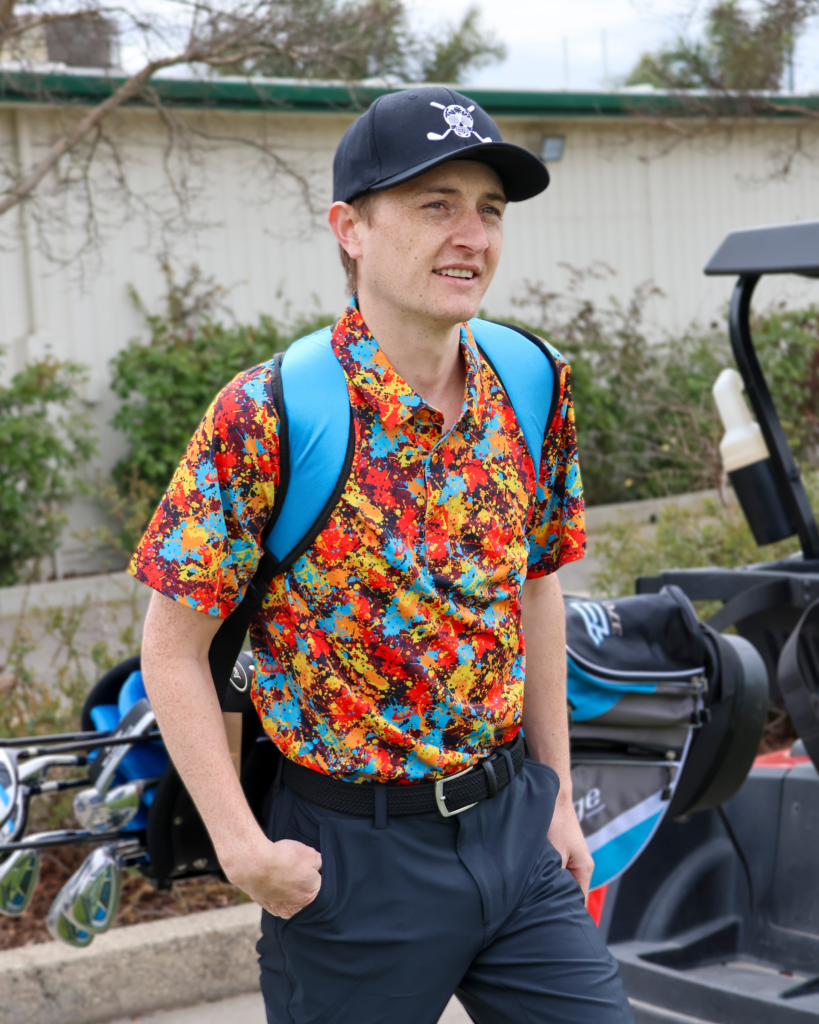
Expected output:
(450, 795)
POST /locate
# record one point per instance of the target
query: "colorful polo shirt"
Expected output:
(392, 649)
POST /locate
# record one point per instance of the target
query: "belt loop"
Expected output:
(380, 794)
(491, 777)
(506, 754)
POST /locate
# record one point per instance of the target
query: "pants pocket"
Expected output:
(303, 827)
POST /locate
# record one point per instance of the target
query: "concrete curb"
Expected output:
(130, 971)
(104, 587)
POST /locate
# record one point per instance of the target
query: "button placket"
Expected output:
(436, 519)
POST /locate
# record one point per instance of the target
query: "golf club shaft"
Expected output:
(110, 741)
(57, 786)
(57, 737)
(65, 838)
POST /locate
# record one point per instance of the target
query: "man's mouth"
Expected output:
(455, 272)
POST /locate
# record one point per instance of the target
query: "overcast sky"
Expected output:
(534, 31)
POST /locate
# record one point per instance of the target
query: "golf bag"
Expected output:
(177, 844)
(665, 718)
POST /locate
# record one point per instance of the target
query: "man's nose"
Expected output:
(470, 233)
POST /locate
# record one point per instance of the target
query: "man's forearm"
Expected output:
(545, 718)
(184, 701)
(282, 877)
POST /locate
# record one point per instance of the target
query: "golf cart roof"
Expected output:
(780, 249)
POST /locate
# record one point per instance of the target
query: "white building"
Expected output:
(644, 184)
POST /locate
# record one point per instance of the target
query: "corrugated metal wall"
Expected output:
(654, 205)
(651, 204)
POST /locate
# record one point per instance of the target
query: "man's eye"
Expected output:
(491, 209)
(436, 205)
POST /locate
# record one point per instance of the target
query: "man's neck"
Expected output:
(426, 353)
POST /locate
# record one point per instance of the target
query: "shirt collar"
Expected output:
(386, 391)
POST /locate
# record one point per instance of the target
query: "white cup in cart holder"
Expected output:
(747, 461)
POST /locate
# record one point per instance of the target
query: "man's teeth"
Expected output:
(453, 272)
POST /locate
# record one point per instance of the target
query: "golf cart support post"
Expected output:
(763, 601)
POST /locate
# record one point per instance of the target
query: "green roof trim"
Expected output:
(89, 88)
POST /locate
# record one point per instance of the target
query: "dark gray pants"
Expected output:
(476, 904)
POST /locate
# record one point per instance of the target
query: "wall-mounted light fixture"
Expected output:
(552, 148)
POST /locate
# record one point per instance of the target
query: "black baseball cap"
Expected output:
(406, 133)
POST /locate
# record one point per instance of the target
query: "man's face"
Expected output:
(429, 247)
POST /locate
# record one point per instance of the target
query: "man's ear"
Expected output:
(344, 221)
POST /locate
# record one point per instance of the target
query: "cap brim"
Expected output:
(522, 174)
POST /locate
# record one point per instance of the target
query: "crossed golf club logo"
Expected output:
(460, 121)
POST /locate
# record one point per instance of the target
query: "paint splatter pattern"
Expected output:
(392, 649)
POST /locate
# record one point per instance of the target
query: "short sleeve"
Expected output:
(203, 543)
(557, 533)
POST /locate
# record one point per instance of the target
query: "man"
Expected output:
(391, 654)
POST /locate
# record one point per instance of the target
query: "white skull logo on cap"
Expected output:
(460, 121)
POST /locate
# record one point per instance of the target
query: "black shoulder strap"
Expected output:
(311, 461)
(230, 637)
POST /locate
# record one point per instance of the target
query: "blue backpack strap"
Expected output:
(526, 369)
(316, 445)
(308, 389)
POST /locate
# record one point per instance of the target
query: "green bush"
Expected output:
(684, 538)
(45, 439)
(167, 383)
(646, 422)
(788, 345)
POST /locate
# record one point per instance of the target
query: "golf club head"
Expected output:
(18, 880)
(9, 785)
(139, 720)
(64, 930)
(90, 899)
(108, 812)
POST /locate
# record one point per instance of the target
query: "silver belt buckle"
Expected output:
(440, 796)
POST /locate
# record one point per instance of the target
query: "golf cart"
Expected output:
(719, 921)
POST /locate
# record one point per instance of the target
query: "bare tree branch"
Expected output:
(21, 191)
(347, 40)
